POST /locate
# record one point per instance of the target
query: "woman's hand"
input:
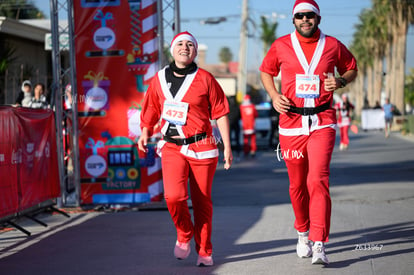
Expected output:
(143, 140)
(228, 158)
(224, 128)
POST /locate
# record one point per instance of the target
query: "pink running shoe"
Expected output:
(205, 261)
(182, 250)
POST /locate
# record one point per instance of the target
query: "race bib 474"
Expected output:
(307, 86)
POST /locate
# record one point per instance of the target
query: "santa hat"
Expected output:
(301, 5)
(183, 36)
(246, 98)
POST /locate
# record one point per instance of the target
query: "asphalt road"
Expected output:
(372, 230)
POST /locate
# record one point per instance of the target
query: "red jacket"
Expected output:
(286, 57)
(248, 115)
(206, 100)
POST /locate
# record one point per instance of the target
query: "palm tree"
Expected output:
(382, 35)
(402, 15)
(7, 56)
(357, 86)
(268, 35)
(361, 48)
(20, 9)
(225, 56)
(380, 31)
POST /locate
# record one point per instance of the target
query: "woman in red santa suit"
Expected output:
(306, 60)
(344, 109)
(186, 98)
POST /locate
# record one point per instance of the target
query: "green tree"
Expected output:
(401, 16)
(268, 35)
(409, 88)
(20, 9)
(358, 48)
(381, 36)
(371, 37)
(6, 56)
(225, 56)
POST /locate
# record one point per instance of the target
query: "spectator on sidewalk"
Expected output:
(25, 96)
(38, 100)
(377, 105)
(67, 104)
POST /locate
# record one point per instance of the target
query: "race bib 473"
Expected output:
(175, 112)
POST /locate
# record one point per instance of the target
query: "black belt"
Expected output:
(309, 111)
(185, 141)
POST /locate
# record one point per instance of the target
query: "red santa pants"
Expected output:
(177, 169)
(308, 159)
(344, 134)
(249, 143)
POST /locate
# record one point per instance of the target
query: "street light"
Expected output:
(213, 20)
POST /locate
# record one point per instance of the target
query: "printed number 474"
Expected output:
(307, 87)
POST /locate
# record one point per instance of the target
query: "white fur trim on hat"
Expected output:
(183, 36)
(305, 6)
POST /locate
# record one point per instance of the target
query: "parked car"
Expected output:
(263, 124)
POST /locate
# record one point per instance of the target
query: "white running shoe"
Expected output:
(182, 250)
(205, 261)
(319, 256)
(304, 247)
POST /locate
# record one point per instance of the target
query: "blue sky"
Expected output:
(338, 19)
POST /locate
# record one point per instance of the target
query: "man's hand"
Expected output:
(280, 103)
(330, 82)
(143, 140)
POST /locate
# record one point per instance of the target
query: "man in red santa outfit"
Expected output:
(248, 114)
(307, 59)
(185, 98)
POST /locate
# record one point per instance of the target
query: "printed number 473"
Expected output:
(173, 113)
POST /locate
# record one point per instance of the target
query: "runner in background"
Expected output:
(345, 111)
(388, 115)
(248, 116)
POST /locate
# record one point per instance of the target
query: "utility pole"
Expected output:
(242, 72)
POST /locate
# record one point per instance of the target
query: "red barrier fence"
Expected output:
(28, 161)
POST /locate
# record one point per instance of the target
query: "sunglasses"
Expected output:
(309, 15)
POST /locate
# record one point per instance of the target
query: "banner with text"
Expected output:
(28, 160)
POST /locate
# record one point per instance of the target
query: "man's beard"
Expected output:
(308, 33)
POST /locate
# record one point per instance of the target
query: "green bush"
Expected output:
(408, 126)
